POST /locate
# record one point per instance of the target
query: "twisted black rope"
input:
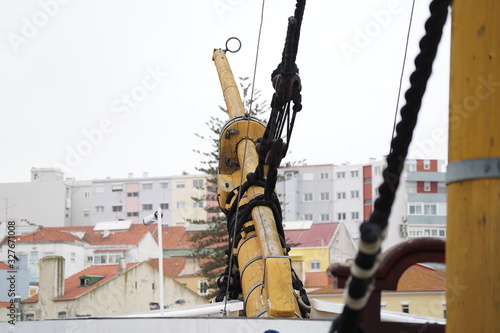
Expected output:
(287, 85)
(373, 231)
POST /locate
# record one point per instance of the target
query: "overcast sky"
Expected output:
(104, 88)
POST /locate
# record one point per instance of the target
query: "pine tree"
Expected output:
(211, 244)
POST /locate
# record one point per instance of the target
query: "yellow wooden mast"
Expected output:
(265, 268)
(473, 231)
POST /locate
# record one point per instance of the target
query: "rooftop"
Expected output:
(319, 235)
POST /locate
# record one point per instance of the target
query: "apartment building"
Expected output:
(134, 198)
(347, 193)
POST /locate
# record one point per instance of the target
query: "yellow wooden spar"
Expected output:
(473, 230)
(265, 268)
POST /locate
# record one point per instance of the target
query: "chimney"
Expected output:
(51, 282)
(145, 174)
(122, 266)
(130, 175)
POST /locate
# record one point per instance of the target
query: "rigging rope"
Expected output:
(361, 281)
(402, 69)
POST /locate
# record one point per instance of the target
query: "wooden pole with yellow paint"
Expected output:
(473, 231)
(265, 268)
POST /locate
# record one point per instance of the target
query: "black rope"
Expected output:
(372, 231)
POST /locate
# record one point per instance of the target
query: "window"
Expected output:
(341, 174)
(73, 257)
(147, 207)
(430, 209)
(117, 188)
(61, 314)
(442, 233)
(354, 173)
(340, 195)
(203, 287)
(308, 217)
(308, 197)
(325, 217)
(164, 205)
(180, 185)
(133, 194)
(315, 265)
(198, 183)
(341, 216)
(104, 258)
(99, 209)
(427, 186)
(367, 180)
(325, 196)
(410, 167)
(147, 186)
(377, 170)
(86, 213)
(198, 204)
(368, 201)
(86, 194)
(99, 189)
(29, 317)
(132, 214)
(354, 194)
(324, 175)
(405, 308)
(434, 232)
(164, 185)
(117, 208)
(442, 189)
(181, 205)
(415, 209)
(411, 188)
(355, 215)
(427, 164)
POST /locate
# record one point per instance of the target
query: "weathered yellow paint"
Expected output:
(473, 231)
(266, 281)
(230, 90)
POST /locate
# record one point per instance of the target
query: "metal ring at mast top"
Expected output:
(227, 47)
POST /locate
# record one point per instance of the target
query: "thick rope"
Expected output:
(361, 282)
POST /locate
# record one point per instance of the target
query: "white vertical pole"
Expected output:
(160, 258)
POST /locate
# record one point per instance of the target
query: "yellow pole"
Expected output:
(230, 90)
(266, 280)
(473, 232)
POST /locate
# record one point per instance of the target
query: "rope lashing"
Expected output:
(361, 282)
(230, 279)
(287, 85)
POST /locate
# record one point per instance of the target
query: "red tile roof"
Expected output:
(176, 238)
(4, 266)
(72, 287)
(416, 278)
(63, 234)
(319, 235)
(172, 267)
(422, 278)
(47, 235)
(4, 304)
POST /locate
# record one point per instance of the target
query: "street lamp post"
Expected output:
(148, 220)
